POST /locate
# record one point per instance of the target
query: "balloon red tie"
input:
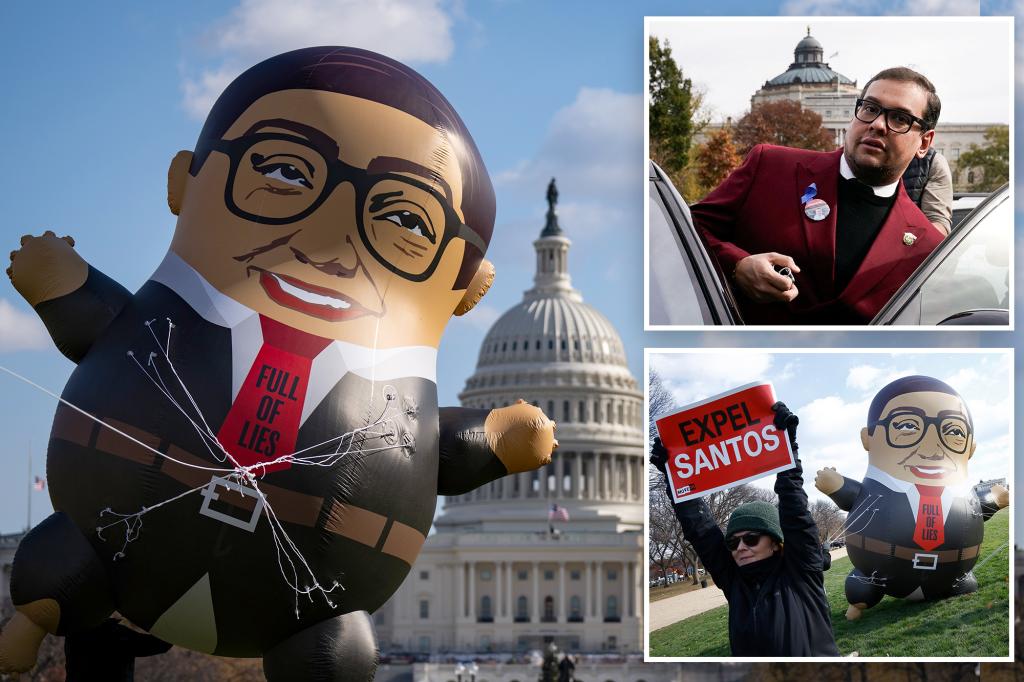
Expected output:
(928, 534)
(263, 423)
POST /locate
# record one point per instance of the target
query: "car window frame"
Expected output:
(714, 290)
(907, 293)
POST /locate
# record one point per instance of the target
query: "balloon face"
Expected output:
(335, 215)
(923, 437)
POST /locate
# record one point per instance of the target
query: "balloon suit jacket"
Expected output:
(158, 367)
(880, 531)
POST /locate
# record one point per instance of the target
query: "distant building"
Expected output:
(8, 545)
(810, 81)
(497, 575)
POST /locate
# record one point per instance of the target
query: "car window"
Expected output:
(974, 275)
(675, 295)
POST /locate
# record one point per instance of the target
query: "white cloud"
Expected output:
(907, 7)
(872, 378)
(693, 376)
(407, 30)
(594, 147)
(20, 330)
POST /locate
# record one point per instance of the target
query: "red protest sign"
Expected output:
(723, 441)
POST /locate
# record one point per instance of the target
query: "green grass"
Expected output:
(971, 625)
(676, 589)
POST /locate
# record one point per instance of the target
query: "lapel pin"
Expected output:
(816, 209)
(909, 239)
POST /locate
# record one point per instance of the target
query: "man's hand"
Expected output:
(828, 480)
(1001, 496)
(46, 267)
(756, 277)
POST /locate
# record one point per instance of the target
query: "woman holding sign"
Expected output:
(768, 563)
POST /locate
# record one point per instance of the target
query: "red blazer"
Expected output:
(757, 209)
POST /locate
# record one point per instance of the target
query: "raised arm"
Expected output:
(480, 446)
(699, 527)
(798, 528)
(75, 301)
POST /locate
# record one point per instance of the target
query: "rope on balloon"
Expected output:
(988, 557)
(381, 427)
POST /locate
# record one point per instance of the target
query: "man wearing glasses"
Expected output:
(333, 217)
(828, 237)
(915, 525)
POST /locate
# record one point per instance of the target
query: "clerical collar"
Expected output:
(880, 191)
(339, 358)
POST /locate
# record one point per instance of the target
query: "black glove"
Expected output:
(659, 458)
(784, 419)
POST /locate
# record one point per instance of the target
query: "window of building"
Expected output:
(424, 575)
(521, 575)
(549, 574)
(583, 413)
(485, 609)
(954, 153)
(613, 574)
(563, 344)
(425, 644)
(551, 409)
(551, 344)
(970, 177)
(565, 411)
(424, 609)
(522, 612)
(485, 574)
(549, 609)
(574, 575)
(611, 608)
(485, 643)
(575, 609)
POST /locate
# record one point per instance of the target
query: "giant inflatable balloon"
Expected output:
(915, 524)
(247, 458)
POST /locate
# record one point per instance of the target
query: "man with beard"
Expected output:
(828, 237)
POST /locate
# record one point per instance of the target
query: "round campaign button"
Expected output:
(816, 209)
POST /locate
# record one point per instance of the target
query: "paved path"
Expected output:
(665, 612)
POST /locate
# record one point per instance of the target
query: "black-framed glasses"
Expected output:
(749, 539)
(896, 120)
(905, 428)
(406, 224)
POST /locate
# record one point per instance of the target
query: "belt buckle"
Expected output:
(925, 555)
(210, 493)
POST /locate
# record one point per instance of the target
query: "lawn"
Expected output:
(676, 589)
(971, 625)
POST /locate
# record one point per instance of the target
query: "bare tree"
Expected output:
(829, 518)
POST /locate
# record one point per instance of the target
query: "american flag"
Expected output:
(557, 513)
(39, 484)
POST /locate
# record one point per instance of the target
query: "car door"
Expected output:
(966, 280)
(685, 285)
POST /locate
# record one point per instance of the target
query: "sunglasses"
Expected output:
(750, 540)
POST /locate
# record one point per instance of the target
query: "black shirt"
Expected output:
(861, 216)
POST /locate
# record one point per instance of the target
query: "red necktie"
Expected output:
(263, 423)
(929, 531)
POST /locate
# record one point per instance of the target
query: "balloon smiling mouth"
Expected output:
(930, 472)
(308, 299)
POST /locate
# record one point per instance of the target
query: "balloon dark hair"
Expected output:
(910, 384)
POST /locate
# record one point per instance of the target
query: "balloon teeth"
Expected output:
(310, 297)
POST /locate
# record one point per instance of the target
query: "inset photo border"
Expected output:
(858, 410)
(744, 225)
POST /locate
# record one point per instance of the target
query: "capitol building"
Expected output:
(504, 571)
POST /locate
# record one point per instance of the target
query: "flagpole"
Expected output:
(28, 525)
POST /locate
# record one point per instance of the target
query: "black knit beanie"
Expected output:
(759, 516)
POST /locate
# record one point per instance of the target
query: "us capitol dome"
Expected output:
(505, 571)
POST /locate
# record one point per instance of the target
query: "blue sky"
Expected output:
(99, 97)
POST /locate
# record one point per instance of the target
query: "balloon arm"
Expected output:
(997, 499)
(466, 459)
(75, 320)
(701, 531)
(803, 547)
(846, 495)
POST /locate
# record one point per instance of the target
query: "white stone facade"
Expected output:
(497, 576)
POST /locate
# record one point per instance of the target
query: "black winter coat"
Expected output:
(777, 607)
